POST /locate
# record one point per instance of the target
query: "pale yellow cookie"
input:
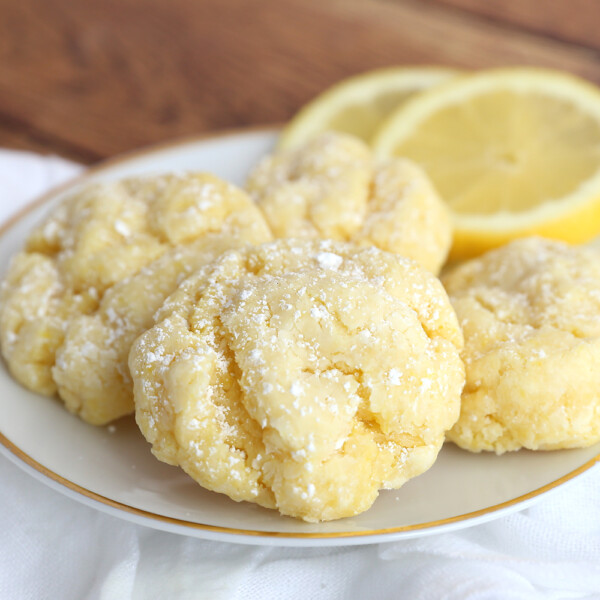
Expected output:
(530, 314)
(331, 187)
(302, 375)
(92, 275)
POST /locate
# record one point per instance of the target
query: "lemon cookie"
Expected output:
(94, 272)
(302, 375)
(331, 188)
(530, 314)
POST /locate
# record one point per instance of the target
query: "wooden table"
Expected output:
(87, 79)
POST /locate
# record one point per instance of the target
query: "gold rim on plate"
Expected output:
(181, 523)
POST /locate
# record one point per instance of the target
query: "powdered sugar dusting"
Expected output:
(395, 376)
(329, 260)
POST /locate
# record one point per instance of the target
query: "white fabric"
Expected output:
(53, 547)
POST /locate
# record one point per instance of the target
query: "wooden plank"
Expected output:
(569, 20)
(104, 77)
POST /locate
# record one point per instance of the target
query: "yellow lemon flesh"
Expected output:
(358, 105)
(512, 151)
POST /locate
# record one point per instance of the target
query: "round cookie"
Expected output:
(530, 314)
(92, 275)
(332, 188)
(302, 375)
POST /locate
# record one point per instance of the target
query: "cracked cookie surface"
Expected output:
(93, 273)
(333, 188)
(302, 375)
(530, 317)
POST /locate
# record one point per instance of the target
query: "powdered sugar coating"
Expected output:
(332, 188)
(530, 313)
(274, 378)
(94, 272)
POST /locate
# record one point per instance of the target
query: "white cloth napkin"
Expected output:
(52, 547)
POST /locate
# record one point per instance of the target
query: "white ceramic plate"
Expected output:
(111, 468)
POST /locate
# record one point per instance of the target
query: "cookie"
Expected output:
(93, 273)
(332, 188)
(302, 375)
(530, 314)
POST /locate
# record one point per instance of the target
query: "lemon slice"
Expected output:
(359, 104)
(512, 151)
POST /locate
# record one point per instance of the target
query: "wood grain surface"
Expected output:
(87, 79)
